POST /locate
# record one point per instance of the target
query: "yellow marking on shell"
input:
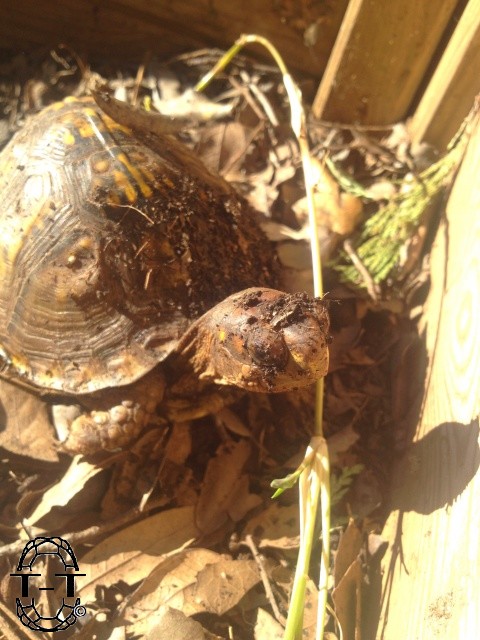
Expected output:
(148, 174)
(70, 100)
(20, 365)
(125, 185)
(222, 335)
(136, 174)
(90, 112)
(101, 166)
(113, 198)
(115, 126)
(86, 130)
(68, 138)
(168, 182)
(85, 243)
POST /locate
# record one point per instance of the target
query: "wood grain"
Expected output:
(126, 29)
(454, 84)
(379, 59)
(431, 585)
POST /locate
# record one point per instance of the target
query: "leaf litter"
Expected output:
(178, 535)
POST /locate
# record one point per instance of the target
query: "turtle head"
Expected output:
(268, 341)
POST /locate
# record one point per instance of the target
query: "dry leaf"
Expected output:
(242, 501)
(276, 527)
(221, 586)
(347, 598)
(222, 147)
(220, 481)
(195, 581)
(349, 547)
(74, 480)
(170, 624)
(130, 554)
(191, 104)
(166, 585)
(229, 420)
(266, 627)
(25, 427)
(338, 212)
(179, 445)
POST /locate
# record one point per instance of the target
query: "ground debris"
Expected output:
(170, 532)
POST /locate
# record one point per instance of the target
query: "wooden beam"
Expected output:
(431, 571)
(379, 59)
(126, 29)
(454, 84)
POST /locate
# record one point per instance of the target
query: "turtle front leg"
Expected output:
(111, 419)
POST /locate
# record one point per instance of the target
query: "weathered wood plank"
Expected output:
(431, 585)
(128, 28)
(454, 84)
(379, 59)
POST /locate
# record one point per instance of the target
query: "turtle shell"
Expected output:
(109, 248)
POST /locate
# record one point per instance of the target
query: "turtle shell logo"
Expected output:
(48, 560)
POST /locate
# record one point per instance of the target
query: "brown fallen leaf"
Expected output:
(220, 487)
(130, 554)
(351, 542)
(59, 495)
(276, 527)
(347, 598)
(25, 427)
(222, 147)
(165, 586)
(221, 586)
(266, 627)
(170, 624)
(337, 211)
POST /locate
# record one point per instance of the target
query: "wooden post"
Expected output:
(379, 59)
(454, 84)
(432, 569)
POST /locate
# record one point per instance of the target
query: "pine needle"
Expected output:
(380, 244)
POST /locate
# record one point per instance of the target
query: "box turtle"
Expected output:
(134, 282)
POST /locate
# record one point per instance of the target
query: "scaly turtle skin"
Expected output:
(133, 281)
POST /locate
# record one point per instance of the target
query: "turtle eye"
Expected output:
(266, 347)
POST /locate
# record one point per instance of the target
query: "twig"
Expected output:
(265, 579)
(370, 285)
